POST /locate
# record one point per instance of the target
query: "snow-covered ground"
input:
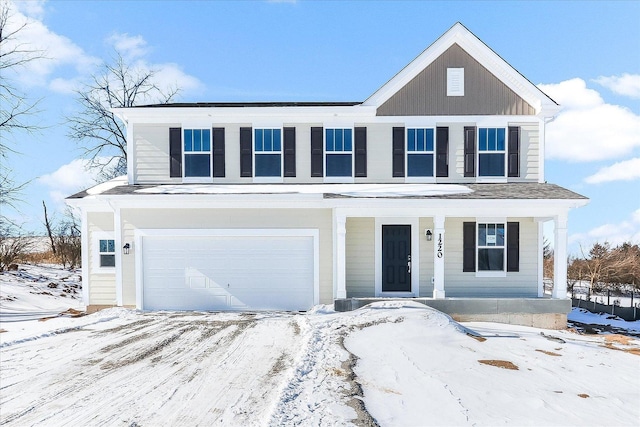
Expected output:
(391, 363)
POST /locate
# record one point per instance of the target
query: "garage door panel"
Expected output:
(228, 273)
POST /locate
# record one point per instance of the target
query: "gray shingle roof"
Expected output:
(252, 104)
(517, 191)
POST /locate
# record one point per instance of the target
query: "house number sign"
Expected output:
(440, 251)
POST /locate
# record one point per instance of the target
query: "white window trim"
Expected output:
(493, 273)
(267, 179)
(419, 179)
(197, 179)
(338, 179)
(414, 222)
(95, 258)
(492, 179)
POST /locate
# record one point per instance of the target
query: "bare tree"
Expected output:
(48, 226)
(64, 236)
(14, 55)
(15, 108)
(13, 244)
(547, 259)
(67, 240)
(118, 84)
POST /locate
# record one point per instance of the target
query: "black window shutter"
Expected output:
(218, 152)
(317, 151)
(398, 152)
(175, 152)
(442, 151)
(469, 151)
(289, 152)
(360, 150)
(513, 246)
(514, 151)
(469, 246)
(246, 153)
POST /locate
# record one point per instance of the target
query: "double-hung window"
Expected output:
(197, 152)
(107, 252)
(420, 152)
(338, 152)
(491, 247)
(491, 152)
(103, 252)
(268, 152)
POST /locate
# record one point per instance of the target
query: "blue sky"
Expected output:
(585, 55)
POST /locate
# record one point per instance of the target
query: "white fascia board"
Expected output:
(246, 114)
(479, 51)
(355, 206)
(90, 204)
(225, 201)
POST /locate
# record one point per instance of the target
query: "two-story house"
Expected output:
(432, 188)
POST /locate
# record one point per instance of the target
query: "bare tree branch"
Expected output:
(96, 128)
(15, 108)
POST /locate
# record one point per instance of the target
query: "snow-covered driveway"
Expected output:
(391, 363)
(151, 369)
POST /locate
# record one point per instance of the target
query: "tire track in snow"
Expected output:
(322, 386)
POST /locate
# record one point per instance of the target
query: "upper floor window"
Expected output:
(268, 152)
(338, 152)
(491, 247)
(491, 152)
(197, 152)
(420, 152)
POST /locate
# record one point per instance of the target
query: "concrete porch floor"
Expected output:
(544, 313)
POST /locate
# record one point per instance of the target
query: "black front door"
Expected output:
(396, 258)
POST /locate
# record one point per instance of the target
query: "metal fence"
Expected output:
(626, 313)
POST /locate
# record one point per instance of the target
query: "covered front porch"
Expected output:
(371, 261)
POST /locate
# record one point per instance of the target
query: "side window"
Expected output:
(420, 152)
(491, 247)
(197, 152)
(106, 253)
(268, 152)
(338, 152)
(491, 152)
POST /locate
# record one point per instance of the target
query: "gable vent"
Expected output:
(455, 81)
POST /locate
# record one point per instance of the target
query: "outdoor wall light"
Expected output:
(125, 248)
(429, 234)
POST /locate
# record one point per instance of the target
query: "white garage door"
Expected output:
(227, 272)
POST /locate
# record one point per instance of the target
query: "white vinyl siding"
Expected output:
(426, 258)
(102, 290)
(151, 144)
(152, 152)
(360, 248)
(529, 151)
(523, 283)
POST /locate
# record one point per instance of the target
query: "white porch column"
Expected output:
(340, 233)
(117, 228)
(84, 253)
(560, 258)
(438, 257)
